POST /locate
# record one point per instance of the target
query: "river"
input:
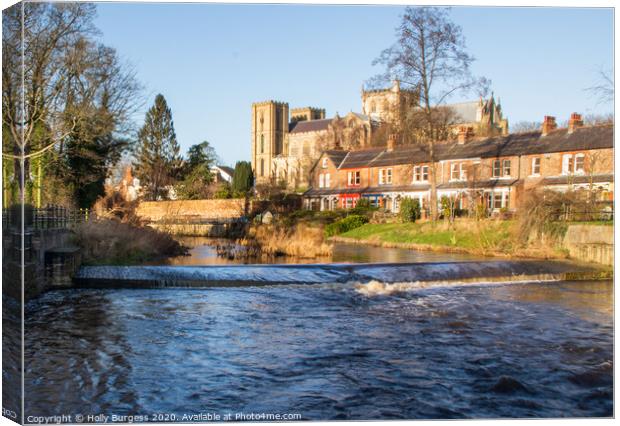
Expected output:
(325, 351)
(204, 251)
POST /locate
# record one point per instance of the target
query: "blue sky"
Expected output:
(212, 61)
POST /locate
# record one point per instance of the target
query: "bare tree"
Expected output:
(603, 88)
(31, 112)
(526, 126)
(429, 56)
(75, 92)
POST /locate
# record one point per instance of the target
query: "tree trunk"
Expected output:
(433, 170)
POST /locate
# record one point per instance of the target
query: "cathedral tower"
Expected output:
(269, 141)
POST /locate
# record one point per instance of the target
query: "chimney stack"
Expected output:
(548, 124)
(465, 134)
(391, 142)
(574, 122)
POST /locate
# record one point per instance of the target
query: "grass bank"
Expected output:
(485, 237)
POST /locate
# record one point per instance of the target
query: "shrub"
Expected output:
(363, 207)
(343, 225)
(410, 209)
(106, 241)
(223, 191)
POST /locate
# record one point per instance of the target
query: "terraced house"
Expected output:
(493, 173)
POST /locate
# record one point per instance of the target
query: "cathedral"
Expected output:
(287, 142)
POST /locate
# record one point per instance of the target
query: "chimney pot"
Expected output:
(574, 122)
(548, 125)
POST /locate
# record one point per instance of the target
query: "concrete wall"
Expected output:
(191, 210)
(590, 243)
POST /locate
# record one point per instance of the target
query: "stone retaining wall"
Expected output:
(590, 243)
(191, 210)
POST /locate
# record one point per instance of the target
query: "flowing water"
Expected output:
(324, 351)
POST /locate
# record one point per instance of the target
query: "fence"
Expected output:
(599, 211)
(50, 217)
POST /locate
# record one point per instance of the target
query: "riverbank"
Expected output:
(497, 238)
(110, 242)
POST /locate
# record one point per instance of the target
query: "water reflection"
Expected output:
(204, 251)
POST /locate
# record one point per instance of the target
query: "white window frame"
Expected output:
(417, 173)
(324, 163)
(354, 178)
(454, 170)
(425, 170)
(533, 170)
(321, 180)
(582, 157)
(568, 164)
(327, 180)
(504, 174)
(385, 176)
(463, 172)
(498, 169)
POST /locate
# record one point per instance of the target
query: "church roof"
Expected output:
(309, 125)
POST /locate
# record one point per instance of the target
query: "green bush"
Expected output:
(363, 207)
(343, 225)
(410, 209)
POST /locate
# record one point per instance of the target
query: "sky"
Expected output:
(211, 62)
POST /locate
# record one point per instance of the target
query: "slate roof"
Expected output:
(309, 125)
(585, 138)
(334, 191)
(492, 183)
(336, 155)
(360, 158)
(564, 180)
(229, 170)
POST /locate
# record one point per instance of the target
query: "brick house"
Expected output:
(494, 172)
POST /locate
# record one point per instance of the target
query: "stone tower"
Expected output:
(269, 141)
(387, 104)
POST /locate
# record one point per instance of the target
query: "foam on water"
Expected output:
(379, 288)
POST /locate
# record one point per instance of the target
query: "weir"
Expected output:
(251, 275)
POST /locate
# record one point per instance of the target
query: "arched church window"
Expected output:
(262, 167)
(373, 107)
(262, 143)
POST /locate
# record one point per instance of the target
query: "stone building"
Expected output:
(286, 142)
(493, 172)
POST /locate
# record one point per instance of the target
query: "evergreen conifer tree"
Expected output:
(243, 178)
(158, 156)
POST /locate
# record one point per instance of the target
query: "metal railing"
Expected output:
(585, 212)
(49, 217)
